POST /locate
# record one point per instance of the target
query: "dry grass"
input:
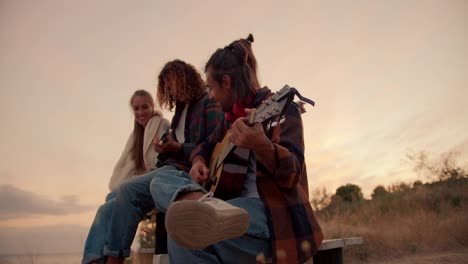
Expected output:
(427, 219)
(459, 256)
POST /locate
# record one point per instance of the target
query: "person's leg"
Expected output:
(96, 239)
(168, 185)
(133, 200)
(246, 249)
(163, 187)
(111, 195)
(180, 254)
(253, 246)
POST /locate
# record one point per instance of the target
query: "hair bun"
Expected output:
(250, 38)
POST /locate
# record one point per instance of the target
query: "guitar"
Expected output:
(272, 109)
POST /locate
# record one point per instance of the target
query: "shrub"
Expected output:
(349, 193)
(379, 192)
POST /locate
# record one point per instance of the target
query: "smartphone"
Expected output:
(165, 136)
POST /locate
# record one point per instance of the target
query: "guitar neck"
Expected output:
(225, 153)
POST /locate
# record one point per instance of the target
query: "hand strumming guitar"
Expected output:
(253, 138)
(199, 171)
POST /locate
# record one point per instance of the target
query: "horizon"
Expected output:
(388, 79)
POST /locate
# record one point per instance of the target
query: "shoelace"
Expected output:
(206, 197)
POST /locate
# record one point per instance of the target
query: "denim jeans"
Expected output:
(116, 221)
(166, 187)
(110, 195)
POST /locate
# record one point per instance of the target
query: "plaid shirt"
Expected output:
(295, 232)
(203, 116)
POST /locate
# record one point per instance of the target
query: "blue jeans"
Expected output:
(116, 221)
(111, 195)
(166, 187)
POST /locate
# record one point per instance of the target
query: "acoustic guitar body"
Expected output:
(216, 167)
(231, 184)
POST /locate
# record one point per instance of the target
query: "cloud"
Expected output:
(16, 203)
(30, 240)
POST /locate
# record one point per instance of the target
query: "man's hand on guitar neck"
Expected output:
(199, 171)
(253, 138)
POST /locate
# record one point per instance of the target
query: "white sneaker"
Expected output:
(198, 224)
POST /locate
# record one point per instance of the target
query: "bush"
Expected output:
(379, 192)
(349, 193)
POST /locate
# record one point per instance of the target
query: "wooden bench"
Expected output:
(330, 252)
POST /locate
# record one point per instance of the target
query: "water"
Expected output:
(42, 259)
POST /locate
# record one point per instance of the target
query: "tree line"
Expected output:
(445, 170)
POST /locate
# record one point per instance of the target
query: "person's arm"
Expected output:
(152, 156)
(213, 129)
(280, 155)
(288, 141)
(212, 116)
(205, 149)
(169, 146)
(201, 155)
(125, 166)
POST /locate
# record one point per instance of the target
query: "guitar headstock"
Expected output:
(274, 106)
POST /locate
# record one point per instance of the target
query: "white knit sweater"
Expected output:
(125, 167)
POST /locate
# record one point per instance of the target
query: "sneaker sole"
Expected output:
(199, 225)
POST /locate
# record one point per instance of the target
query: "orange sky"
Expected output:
(388, 77)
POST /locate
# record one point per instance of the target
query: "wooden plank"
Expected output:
(340, 242)
(330, 252)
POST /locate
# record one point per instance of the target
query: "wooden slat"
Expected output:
(340, 242)
(334, 248)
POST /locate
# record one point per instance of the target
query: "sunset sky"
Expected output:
(388, 77)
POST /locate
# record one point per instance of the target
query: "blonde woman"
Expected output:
(139, 154)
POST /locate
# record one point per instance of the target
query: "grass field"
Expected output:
(405, 222)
